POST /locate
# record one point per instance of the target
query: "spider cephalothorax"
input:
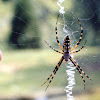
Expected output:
(67, 51)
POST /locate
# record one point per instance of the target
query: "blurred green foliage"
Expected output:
(23, 16)
(34, 21)
(25, 24)
(25, 75)
(92, 12)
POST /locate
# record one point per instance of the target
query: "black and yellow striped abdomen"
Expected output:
(66, 48)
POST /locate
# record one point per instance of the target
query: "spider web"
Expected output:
(71, 27)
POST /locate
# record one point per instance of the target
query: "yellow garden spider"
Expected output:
(66, 51)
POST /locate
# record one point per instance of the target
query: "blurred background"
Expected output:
(27, 61)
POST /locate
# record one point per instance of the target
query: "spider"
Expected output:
(66, 55)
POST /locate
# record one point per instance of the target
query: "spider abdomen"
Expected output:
(66, 56)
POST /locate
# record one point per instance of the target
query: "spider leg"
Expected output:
(79, 69)
(79, 49)
(50, 76)
(83, 72)
(80, 36)
(57, 34)
(54, 72)
(56, 69)
(81, 76)
(53, 48)
(75, 64)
